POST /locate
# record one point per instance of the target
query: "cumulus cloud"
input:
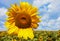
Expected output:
(39, 3)
(2, 18)
(54, 4)
(53, 24)
(45, 17)
(2, 11)
(48, 9)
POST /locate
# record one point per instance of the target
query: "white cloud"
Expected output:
(45, 17)
(53, 6)
(58, 19)
(39, 3)
(53, 24)
(2, 18)
(3, 11)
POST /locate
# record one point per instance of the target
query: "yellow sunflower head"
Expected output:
(21, 18)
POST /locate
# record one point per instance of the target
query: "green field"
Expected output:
(39, 36)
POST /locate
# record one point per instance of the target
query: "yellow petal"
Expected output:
(20, 33)
(30, 33)
(33, 10)
(9, 18)
(7, 24)
(34, 25)
(38, 16)
(10, 10)
(25, 33)
(13, 6)
(8, 13)
(16, 8)
(35, 19)
(22, 5)
(27, 5)
(11, 30)
(34, 14)
(16, 31)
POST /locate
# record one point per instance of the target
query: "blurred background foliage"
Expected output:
(39, 36)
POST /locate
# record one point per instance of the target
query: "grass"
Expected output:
(39, 36)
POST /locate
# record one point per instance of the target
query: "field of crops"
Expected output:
(39, 36)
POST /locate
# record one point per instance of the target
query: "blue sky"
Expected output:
(49, 10)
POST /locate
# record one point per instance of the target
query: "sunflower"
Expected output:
(22, 19)
(40, 38)
(49, 39)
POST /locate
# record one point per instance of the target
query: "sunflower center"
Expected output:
(23, 21)
(23, 18)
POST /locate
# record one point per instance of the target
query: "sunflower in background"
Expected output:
(22, 19)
